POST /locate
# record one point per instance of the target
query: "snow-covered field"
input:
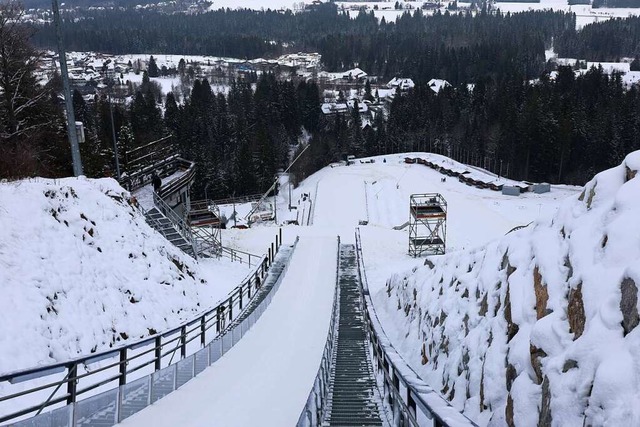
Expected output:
(585, 14)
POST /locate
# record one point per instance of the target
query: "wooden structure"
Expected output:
(427, 224)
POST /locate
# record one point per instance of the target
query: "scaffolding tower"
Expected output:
(204, 220)
(427, 224)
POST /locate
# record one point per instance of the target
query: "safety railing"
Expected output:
(179, 223)
(142, 371)
(315, 406)
(175, 185)
(408, 399)
(240, 256)
(238, 200)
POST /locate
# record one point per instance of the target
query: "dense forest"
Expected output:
(603, 41)
(559, 130)
(239, 140)
(456, 46)
(562, 130)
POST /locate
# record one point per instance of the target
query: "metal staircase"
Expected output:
(165, 226)
(353, 398)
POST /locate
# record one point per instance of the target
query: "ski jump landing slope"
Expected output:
(265, 378)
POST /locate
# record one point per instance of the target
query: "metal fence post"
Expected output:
(123, 367)
(203, 331)
(183, 342)
(71, 383)
(158, 353)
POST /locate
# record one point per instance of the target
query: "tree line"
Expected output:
(558, 130)
(561, 130)
(459, 47)
(609, 40)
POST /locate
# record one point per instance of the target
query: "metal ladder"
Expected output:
(353, 398)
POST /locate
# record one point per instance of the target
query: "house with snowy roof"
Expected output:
(437, 85)
(403, 84)
(354, 74)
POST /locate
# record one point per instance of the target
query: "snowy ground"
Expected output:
(78, 267)
(341, 197)
(269, 373)
(540, 325)
(584, 13)
(379, 192)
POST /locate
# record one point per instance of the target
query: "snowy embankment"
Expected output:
(81, 271)
(539, 327)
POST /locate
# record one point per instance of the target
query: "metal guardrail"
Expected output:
(179, 223)
(239, 256)
(182, 181)
(144, 367)
(238, 200)
(315, 406)
(411, 401)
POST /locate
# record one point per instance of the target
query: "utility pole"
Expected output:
(71, 118)
(113, 134)
(289, 191)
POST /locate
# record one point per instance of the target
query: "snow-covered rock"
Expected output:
(81, 271)
(540, 326)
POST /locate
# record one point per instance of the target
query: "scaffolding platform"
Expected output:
(427, 224)
(199, 217)
(204, 220)
(421, 241)
(428, 211)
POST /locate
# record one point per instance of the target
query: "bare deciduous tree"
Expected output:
(27, 117)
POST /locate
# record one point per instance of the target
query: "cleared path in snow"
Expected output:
(340, 200)
(264, 379)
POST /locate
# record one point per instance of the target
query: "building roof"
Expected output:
(437, 85)
(402, 83)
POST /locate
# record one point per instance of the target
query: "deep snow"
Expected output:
(341, 197)
(540, 325)
(80, 270)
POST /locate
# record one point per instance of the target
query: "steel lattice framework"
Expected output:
(427, 224)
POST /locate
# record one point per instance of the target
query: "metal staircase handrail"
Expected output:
(136, 355)
(414, 395)
(181, 226)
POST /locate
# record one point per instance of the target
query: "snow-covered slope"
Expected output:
(80, 271)
(539, 327)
